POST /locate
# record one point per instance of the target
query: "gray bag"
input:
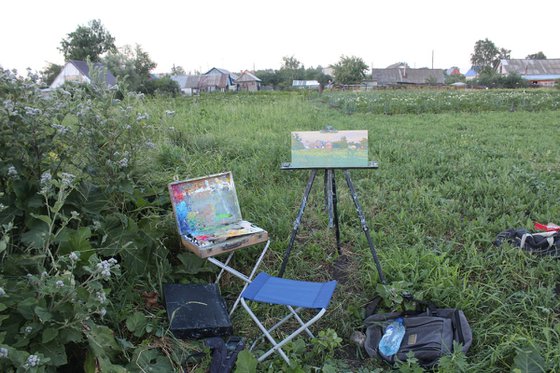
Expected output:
(429, 335)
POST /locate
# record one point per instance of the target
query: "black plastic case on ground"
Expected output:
(196, 311)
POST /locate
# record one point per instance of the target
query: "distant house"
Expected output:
(217, 79)
(472, 73)
(189, 84)
(401, 74)
(306, 84)
(79, 71)
(248, 82)
(543, 73)
(453, 71)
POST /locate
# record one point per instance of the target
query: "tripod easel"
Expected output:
(331, 203)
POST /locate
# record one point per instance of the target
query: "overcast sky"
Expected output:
(250, 34)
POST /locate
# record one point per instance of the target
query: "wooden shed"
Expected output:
(248, 82)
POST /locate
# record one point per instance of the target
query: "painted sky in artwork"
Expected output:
(309, 137)
(321, 149)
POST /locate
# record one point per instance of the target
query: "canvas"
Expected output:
(207, 212)
(329, 149)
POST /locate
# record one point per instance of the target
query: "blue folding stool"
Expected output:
(291, 293)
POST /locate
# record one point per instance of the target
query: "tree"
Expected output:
(164, 86)
(49, 73)
(290, 63)
(350, 70)
(487, 55)
(268, 77)
(89, 41)
(290, 70)
(503, 54)
(178, 70)
(536, 56)
(450, 79)
(317, 74)
(130, 65)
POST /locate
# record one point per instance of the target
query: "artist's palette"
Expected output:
(208, 214)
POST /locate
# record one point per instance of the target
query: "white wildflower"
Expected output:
(3, 352)
(32, 111)
(105, 268)
(60, 129)
(32, 361)
(59, 284)
(74, 256)
(74, 214)
(45, 181)
(96, 225)
(101, 297)
(2, 292)
(12, 172)
(67, 178)
(102, 312)
(28, 329)
(123, 162)
(142, 116)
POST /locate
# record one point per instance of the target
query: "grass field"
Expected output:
(447, 184)
(88, 238)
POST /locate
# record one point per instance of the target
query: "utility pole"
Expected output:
(432, 59)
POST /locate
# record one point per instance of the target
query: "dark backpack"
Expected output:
(541, 243)
(429, 334)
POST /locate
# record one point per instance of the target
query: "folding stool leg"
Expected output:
(296, 316)
(266, 334)
(250, 278)
(275, 326)
(226, 265)
(277, 346)
(247, 279)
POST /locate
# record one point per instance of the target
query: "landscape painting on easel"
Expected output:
(328, 149)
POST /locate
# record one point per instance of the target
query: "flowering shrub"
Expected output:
(72, 215)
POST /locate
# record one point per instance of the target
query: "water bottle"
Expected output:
(391, 340)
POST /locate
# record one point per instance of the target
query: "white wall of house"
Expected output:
(69, 73)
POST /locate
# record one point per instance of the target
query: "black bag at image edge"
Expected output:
(429, 335)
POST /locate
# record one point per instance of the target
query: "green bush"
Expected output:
(76, 199)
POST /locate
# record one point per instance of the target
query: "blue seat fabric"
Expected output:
(275, 290)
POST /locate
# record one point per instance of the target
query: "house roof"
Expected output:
(217, 69)
(218, 81)
(473, 71)
(83, 67)
(180, 79)
(247, 77)
(186, 81)
(401, 75)
(531, 67)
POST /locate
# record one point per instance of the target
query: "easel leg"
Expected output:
(335, 213)
(297, 221)
(364, 225)
(329, 194)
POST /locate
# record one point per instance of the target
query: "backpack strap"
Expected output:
(456, 323)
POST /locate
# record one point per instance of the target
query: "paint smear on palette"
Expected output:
(225, 232)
